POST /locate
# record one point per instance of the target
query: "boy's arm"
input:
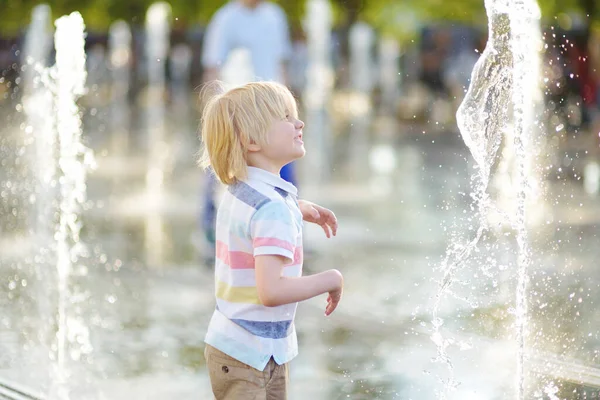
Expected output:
(275, 289)
(321, 216)
(274, 234)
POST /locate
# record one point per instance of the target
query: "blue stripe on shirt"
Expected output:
(281, 192)
(266, 329)
(244, 192)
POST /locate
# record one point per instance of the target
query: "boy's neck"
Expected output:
(264, 165)
(257, 160)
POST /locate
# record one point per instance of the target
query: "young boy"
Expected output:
(249, 133)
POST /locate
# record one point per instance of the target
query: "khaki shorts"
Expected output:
(233, 380)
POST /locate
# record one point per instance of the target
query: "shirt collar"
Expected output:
(269, 178)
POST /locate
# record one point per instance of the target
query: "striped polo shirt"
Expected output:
(258, 216)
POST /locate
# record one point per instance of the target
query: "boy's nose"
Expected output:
(299, 124)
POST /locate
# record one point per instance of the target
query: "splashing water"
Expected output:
(504, 79)
(38, 42)
(74, 157)
(158, 30)
(37, 105)
(524, 18)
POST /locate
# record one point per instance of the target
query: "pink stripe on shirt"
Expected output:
(274, 242)
(298, 256)
(234, 259)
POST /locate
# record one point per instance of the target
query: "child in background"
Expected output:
(249, 133)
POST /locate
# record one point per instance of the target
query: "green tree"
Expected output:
(399, 18)
(99, 14)
(402, 18)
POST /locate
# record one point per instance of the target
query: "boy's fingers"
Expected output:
(326, 230)
(332, 302)
(334, 226)
(315, 213)
(332, 222)
(331, 308)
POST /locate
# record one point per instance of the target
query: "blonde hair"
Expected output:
(233, 119)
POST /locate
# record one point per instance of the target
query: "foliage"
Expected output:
(403, 18)
(399, 18)
(99, 14)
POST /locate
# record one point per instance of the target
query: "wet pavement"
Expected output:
(145, 296)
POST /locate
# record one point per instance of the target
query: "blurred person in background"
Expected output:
(261, 28)
(258, 26)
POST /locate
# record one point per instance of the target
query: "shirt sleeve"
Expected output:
(216, 42)
(273, 231)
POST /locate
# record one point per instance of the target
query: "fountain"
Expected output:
(181, 110)
(73, 161)
(37, 46)
(158, 43)
(362, 82)
(389, 76)
(180, 64)
(504, 80)
(317, 93)
(37, 100)
(119, 45)
(48, 201)
(383, 157)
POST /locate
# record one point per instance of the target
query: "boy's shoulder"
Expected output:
(258, 195)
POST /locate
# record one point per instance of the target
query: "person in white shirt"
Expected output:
(260, 28)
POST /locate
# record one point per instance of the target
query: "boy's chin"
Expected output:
(298, 154)
(301, 153)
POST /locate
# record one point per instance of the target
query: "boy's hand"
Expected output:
(332, 301)
(335, 295)
(316, 214)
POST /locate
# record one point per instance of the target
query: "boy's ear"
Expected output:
(253, 146)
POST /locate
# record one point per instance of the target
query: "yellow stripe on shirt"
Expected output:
(248, 295)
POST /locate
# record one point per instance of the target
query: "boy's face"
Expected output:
(285, 140)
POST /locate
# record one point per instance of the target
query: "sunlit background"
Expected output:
(106, 286)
